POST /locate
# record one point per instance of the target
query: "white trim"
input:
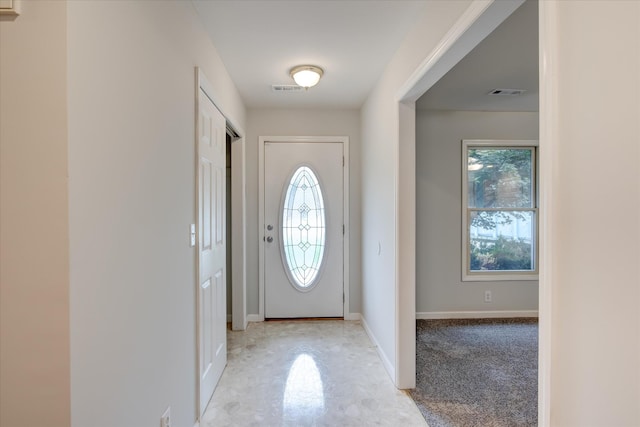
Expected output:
(238, 236)
(477, 21)
(388, 366)
(200, 82)
(258, 318)
(475, 314)
(353, 316)
(346, 241)
(254, 318)
(549, 142)
(261, 236)
(344, 140)
(12, 11)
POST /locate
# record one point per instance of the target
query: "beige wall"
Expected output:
(302, 122)
(439, 287)
(131, 200)
(34, 247)
(595, 278)
(379, 157)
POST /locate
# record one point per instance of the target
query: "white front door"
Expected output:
(212, 310)
(303, 229)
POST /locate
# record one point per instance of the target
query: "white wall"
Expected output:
(380, 136)
(439, 287)
(34, 246)
(595, 185)
(131, 200)
(302, 122)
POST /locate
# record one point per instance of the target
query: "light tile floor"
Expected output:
(307, 373)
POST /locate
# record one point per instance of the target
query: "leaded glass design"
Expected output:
(303, 228)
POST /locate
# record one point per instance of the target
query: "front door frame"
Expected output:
(345, 214)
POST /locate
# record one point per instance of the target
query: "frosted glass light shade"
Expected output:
(306, 75)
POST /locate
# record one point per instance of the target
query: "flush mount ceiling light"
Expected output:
(306, 75)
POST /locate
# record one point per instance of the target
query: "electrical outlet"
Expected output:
(487, 296)
(165, 420)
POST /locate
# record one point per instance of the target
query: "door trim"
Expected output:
(345, 214)
(238, 236)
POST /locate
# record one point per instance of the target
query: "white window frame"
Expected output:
(483, 276)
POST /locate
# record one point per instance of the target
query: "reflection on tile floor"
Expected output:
(307, 373)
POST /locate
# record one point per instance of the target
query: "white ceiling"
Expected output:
(352, 40)
(506, 59)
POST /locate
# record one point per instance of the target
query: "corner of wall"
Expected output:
(34, 278)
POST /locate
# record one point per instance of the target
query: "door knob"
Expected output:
(269, 227)
(269, 239)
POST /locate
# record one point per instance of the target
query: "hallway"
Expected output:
(306, 373)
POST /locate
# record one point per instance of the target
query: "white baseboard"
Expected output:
(254, 318)
(258, 318)
(388, 366)
(475, 314)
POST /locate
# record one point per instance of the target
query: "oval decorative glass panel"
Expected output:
(303, 229)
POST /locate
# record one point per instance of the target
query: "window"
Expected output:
(499, 210)
(303, 229)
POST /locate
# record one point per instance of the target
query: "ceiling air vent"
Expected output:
(507, 92)
(287, 88)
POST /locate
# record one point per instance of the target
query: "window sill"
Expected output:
(497, 277)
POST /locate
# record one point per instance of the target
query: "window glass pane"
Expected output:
(303, 224)
(501, 240)
(499, 177)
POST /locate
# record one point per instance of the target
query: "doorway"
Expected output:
(477, 263)
(478, 21)
(304, 231)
